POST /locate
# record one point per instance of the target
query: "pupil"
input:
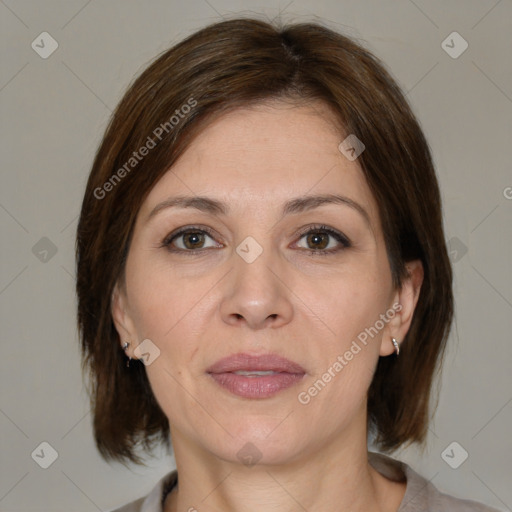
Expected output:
(317, 238)
(195, 237)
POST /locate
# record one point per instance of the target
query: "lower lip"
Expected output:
(263, 386)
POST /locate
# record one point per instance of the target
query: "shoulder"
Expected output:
(421, 495)
(425, 496)
(152, 502)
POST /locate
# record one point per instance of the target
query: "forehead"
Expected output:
(260, 156)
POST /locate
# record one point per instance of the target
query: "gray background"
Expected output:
(53, 114)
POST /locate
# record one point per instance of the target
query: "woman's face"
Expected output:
(249, 278)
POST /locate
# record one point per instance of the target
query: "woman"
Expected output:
(263, 280)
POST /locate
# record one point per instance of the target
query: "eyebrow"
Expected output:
(293, 206)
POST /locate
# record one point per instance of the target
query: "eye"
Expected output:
(323, 240)
(189, 239)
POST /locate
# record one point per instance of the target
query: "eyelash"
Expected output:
(315, 229)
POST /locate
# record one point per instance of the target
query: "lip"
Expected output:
(287, 373)
(247, 362)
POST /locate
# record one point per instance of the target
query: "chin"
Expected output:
(261, 439)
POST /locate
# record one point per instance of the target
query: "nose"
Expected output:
(256, 293)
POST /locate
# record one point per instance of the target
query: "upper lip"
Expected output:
(247, 362)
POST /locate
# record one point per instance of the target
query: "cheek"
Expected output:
(160, 300)
(171, 311)
(353, 303)
(350, 309)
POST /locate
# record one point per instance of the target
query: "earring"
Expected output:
(125, 347)
(395, 344)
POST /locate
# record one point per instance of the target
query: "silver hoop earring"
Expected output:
(395, 344)
(125, 347)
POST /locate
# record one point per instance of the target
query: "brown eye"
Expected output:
(193, 240)
(317, 240)
(190, 240)
(324, 240)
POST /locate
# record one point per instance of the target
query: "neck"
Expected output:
(335, 477)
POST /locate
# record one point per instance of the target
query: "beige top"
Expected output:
(420, 495)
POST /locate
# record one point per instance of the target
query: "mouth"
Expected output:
(256, 376)
(254, 373)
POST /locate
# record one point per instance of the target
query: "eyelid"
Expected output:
(323, 228)
(311, 228)
(186, 229)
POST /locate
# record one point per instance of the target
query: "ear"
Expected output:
(404, 303)
(122, 320)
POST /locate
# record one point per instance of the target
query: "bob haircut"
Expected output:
(233, 64)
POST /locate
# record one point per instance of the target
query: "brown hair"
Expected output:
(224, 66)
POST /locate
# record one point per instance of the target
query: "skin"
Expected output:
(197, 308)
